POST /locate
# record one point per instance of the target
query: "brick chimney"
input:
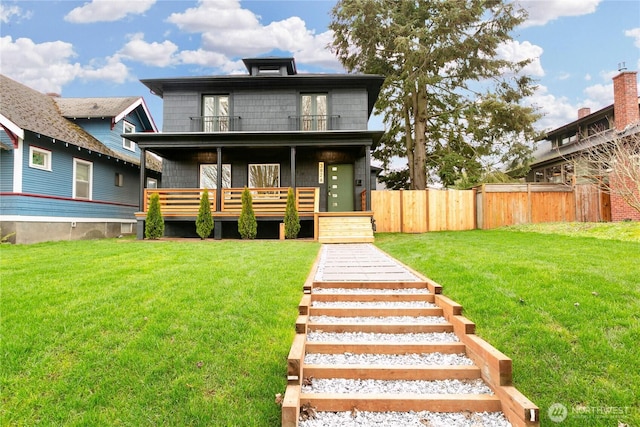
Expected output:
(584, 112)
(625, 99)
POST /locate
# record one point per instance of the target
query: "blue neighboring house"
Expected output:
(67, 171)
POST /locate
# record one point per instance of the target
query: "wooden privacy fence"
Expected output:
(487, 206)
(419, 211)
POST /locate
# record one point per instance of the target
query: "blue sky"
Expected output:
(103, 47)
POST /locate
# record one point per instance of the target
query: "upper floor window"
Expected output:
(39, 158)
(314, 112)
(82, 179)
(215, 113)
(127, 143)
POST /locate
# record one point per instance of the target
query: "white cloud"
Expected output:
(48, 66)
(238, 32)
(556, 111)
(635, 34)
(543, 11)
(598, 96)
(156, 54)
(515, 51)
(7, 12)
(107, 10)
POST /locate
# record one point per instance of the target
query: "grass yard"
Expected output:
(130, 333)
(566, 309)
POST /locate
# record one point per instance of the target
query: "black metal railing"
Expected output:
(215, 123)
(314, 122)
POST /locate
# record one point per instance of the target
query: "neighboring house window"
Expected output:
(209, 176)
(127, 143)
(39, 158)
(314, 112)
(152, 183)
(264, 175)
(215, 113)
(82, 177)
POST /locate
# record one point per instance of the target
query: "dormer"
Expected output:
(269, 67)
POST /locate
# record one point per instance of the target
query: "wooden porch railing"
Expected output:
(266, 201)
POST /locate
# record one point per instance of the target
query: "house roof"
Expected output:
(25, 109)
(116, 108)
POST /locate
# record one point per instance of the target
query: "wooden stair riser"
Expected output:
(402, 402)
(375, 312)
(387, 348)
(408, 372)
(372, 297)
(380, 328)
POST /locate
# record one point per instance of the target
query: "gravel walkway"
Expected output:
(344, 385)
(410, 320)
(407, 419)
(373, 304)
(319, 290)
(367, 337)
(388, 359)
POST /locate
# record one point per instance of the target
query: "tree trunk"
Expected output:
(419, 146)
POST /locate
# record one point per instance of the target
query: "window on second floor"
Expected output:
(215, 113)
(39, 158)
(127, 143)
(314, 111)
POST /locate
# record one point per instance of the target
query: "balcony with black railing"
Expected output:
(215, 123)
(314, 122)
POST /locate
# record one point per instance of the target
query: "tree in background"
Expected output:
(247, 224)
(204, 221)
(451, 104)
(154, 225)
(291, 217)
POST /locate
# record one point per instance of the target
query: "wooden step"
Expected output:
(386, 328)
(402, 402)
(375, 311)
(346, 284)
(376, 347)
(327, 297)
(396, 372)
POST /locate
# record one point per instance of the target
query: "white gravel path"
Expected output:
(411, 320)
(407, 419)
(368, 291)
(344, 385)
(373, 304)
(367, 337)
(388, 359)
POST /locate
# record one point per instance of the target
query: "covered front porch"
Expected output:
(180, 206)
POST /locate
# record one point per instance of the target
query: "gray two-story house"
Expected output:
(268, 130)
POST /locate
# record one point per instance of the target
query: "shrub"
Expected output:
(204, 221)
(247, 224)
(291, 217)
(154, 225)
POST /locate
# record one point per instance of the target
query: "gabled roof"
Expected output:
(115, 108)
(25, 109)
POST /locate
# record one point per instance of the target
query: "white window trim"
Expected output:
(152, 183)
(90, 164)
(127, 144)
(48, 155)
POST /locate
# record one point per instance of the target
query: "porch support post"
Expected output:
(293, 167)
(142, 183)
(367, 181)
(217, 225)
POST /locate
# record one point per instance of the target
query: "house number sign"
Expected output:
(320, 172)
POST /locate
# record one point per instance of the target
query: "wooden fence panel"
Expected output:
(451, 210)
(414, 211)
(387, 208)
(591, 203)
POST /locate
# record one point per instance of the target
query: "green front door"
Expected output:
(340, 188)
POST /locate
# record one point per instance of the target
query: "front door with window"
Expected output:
(340, 186)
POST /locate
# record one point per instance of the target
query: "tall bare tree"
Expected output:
(451, 105)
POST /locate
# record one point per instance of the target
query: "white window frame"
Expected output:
(152, 183)
(76, 162)
(47, 158)
(127, 144)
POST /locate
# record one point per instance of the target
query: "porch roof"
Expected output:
(169, 141)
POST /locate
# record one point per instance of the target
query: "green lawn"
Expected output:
(566, 309)
(130, 333)
(123, 332)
